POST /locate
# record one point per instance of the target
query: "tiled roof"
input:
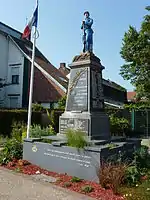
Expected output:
(44, 90)
(131, 96)
(53, 71)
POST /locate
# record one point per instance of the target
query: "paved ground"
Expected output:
(15, 186)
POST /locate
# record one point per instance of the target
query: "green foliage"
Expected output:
(118, 125)
(76, 179)
(18, 170)
(2, 141)
(137, 106)
(24, 135)
(18, 128)
(51, 117)
(87, 189)
(51, 130)
(12, 149)
(76, 138)
(139, 167)
(7, 117)
(67, 184)
(37, 132)
(136, 53)
(37, 107)
(132, 175)
(62, 102)
(142, 158)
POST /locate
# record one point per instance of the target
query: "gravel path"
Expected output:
(15, 186)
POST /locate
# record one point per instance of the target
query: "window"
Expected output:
(15, 79)
(13, 102)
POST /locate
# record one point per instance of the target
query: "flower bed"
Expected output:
(85, 187)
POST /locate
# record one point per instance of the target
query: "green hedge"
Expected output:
(8, 116)
(119, 123)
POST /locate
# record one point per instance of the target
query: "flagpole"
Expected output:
(31, 84)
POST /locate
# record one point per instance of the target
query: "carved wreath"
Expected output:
(76, 79)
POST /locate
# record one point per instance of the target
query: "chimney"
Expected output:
(63, 69)
(62, 66)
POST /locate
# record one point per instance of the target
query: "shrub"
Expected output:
(139, 166)
(87, 188)
(51, 130)
(18, 128)
(7, 117)
(76, 138)
(75, 179)
(51, 117)
(62, 102)
(118, 125)
(12, 149)
(2, 141)
(142, 158)
(132, 175)
(24, 135)
(111, 176)
(37, 132)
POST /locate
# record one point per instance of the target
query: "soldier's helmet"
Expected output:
(87, 12)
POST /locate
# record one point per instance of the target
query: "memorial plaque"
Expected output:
(74, 123)
(78, 90)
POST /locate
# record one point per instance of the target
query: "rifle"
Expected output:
(84, 38)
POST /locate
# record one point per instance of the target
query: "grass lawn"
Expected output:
(142, 192)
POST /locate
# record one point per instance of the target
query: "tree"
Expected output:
(62, 102)
(136, 53)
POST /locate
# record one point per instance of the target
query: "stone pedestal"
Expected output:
(85, 101)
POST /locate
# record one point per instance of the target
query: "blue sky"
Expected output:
(60, 33)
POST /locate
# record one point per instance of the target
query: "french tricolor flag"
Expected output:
(33, 22)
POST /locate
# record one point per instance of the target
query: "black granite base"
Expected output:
(95, 125)
(83, 163)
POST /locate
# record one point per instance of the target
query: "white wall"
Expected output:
(46, 105)
(3, 62)
(10, 57)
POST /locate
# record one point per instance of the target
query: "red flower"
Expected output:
(144, 177)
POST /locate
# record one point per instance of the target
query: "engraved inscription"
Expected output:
(77, 124)
(81, 160)
(78, 90)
